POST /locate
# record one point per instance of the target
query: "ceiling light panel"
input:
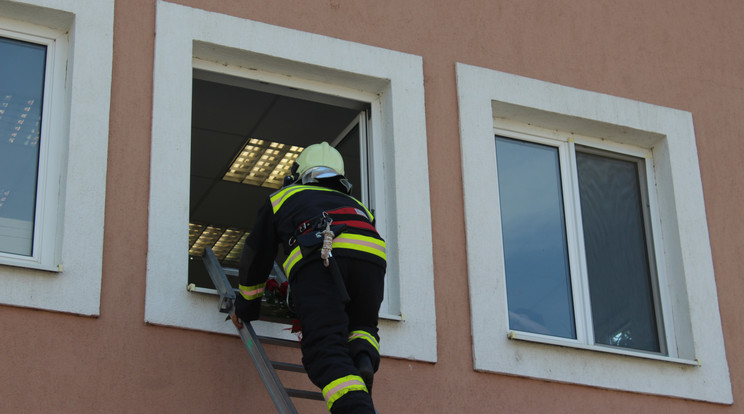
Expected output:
(263, 163)
(227, 243)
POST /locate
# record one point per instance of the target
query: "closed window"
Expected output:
(55, 94)
(588, 253)
(22, 75)
(552, 193)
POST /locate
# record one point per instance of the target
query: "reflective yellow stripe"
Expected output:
(341, 386)
(292, 260)
(344, 241)
(251, 292)
(279, 197)
(362, 243)
(366, 336)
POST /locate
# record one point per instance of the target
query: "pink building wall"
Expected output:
(680, 54)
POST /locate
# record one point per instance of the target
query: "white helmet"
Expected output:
(320, 155)
(316, 162)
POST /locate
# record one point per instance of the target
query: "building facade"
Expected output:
(557, 185)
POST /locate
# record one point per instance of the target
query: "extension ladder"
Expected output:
(266, 368)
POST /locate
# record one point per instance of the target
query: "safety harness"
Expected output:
(327, 231)
(340, 218)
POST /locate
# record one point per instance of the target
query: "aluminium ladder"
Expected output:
(266, 368)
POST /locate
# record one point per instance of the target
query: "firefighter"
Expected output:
(336, 266)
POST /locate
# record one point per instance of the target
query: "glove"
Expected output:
(247, 310)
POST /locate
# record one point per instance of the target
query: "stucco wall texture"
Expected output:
(682, 54)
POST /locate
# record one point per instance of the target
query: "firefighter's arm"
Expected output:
(256, 262)
(250, 290)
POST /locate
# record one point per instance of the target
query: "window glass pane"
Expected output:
(535, 249)
(21, 91)
(616, 253)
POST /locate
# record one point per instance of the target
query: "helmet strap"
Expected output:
(293, 177)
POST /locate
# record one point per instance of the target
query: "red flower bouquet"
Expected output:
(277, 305)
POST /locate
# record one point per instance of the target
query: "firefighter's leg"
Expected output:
(324, 341)
(365, 283)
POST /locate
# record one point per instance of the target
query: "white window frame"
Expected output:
(391, 82)
(491, 101)
(61, 274)
(566, 143)
(44, 253)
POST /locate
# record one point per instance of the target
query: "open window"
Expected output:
(245, 136)
(297, 89)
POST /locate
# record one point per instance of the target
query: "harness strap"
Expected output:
(357, 242)
(348, 216)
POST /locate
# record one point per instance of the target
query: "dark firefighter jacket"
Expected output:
(278, 221)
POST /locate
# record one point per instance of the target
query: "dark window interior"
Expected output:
(232, 117)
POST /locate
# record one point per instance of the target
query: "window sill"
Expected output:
(549, 340)
(195, 289)
(29, 263)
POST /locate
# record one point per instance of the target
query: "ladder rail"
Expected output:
(278, 393)
(270, 379)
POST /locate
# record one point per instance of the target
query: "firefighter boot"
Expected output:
(366, 370)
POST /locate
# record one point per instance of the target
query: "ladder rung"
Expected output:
(279, 342)
(308, 395)
(286, 366)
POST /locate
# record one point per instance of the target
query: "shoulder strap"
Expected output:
(279, 197)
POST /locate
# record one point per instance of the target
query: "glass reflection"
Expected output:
(535, 248)
(21, 91)
(617, 261)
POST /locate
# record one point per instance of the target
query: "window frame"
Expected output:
(391, 82)
(491, 99)
(566, 144)
(651, 228)
(360, 122)
(60, 275)
(44, 254)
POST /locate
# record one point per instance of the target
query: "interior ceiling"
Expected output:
(226, 115)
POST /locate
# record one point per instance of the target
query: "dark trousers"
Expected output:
(326, 323)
